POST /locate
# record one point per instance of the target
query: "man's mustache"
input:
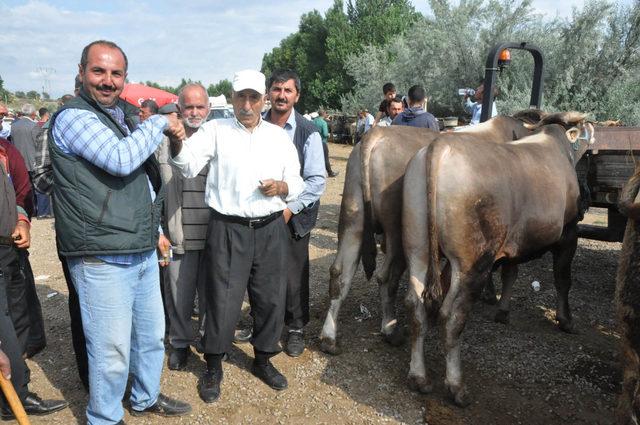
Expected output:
(245, 113)
(106, 88)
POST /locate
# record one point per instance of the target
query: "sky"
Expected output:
(164, 40)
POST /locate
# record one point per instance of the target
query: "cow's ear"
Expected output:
(572, 134)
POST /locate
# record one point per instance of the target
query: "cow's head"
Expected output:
(579, 131)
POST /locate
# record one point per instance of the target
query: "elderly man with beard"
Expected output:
(253, 173)
(186, 216)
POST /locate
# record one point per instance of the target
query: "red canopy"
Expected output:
(135, 94)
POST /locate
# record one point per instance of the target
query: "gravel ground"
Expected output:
(525, 372)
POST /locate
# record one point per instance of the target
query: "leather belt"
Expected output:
(6, 240)
(252, 223)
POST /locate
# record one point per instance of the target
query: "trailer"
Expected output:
(605, 168)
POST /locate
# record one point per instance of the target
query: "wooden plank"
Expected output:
(617, 138)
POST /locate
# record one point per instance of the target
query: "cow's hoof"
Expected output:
(420, 384)
(395, 338)
(567, 326)
(502, 316)
(459, 396)
(329, 346)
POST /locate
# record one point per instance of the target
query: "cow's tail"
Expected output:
(433, 293)
(369, 249)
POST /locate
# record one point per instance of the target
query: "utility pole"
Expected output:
(45, 72)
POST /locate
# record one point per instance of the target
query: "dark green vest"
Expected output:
(98, 213)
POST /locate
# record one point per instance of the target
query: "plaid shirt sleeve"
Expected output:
(79, 132)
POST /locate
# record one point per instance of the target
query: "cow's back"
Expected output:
(394, 148)
(510, 199)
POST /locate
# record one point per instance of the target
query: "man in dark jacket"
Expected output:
(415, 115)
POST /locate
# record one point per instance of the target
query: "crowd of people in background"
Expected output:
(158, 210)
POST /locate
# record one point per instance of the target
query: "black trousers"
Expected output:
(36, 339)
(297, 310)
(77, 332)
(11, 282)
(327, 164)
(239, 258)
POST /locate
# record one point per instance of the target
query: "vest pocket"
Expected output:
(105, 205)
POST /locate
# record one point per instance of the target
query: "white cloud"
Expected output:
(165, 41)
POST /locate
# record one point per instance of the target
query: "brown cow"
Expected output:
(415, 237)
(375, 170)
(500, 203)
(372, 200)
(628, 303)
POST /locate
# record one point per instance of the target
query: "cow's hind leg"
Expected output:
(563, 254)
(454, 312)
(388, 279)
(418, 379)
(489, 293)
(509, 274)
(341, 275)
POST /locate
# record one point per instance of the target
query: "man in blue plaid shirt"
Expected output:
(107, 204)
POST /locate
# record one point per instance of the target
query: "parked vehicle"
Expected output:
(219, 108)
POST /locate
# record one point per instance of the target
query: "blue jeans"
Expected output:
(123, 322)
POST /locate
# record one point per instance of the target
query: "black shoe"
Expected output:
(209, 385)
(34, 405)
(178, 358)
(242, 335)
(295, 343)
(165, 406)
(334, 174)
(269, 375)
(32, 350)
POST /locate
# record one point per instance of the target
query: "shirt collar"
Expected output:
(242, 127)
(291, 121)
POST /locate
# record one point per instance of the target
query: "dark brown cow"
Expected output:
(628, 303)
(372, 201)
(500, 203)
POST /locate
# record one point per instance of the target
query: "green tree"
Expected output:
(4, 94)
(32, 94)
(591, 59)
(320, 47)
(303, 52)
(597, 62)
(221, 87)
(46, 95)
(20, 95)
(441, 52)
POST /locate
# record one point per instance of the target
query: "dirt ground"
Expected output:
(527, 372)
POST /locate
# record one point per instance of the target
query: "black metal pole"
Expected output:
(491, 67)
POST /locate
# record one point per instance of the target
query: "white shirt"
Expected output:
(368, 122)
(385, 121)
(238, 160)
